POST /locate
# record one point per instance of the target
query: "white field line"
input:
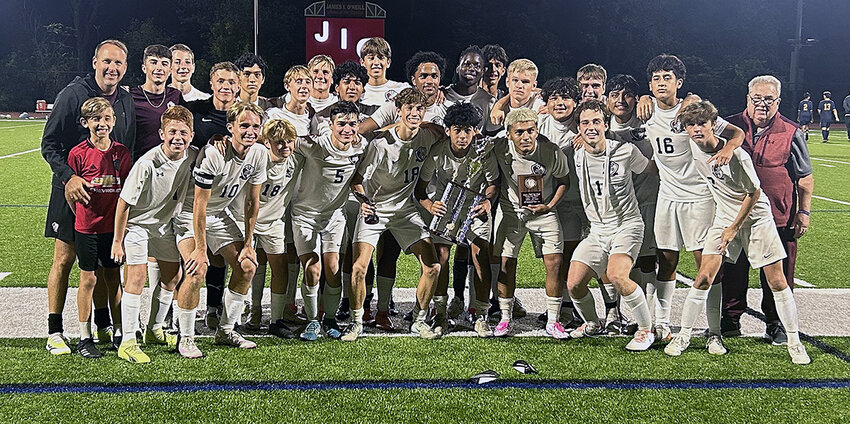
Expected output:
(21, 126)
(828, 166)
(684, 280)
(802, 283)
(4, 275)
(20, 153)
(840, 202)
(830, 161)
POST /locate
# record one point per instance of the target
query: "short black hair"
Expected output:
(827, 94)
(622, 82)
(471, 49)
(666, 62)
(424, 57)
(248, 60)
(807, 94)
(495, 51)
(562, 86)
(156, 50)
(344, 108)
(462, 114)
(350, 68)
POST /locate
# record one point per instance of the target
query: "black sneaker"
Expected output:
(775, 334)
(344, 311)
(543, 318)
(730, 327)
(88, 349)
(408, 316)
(331, 328)
(279, 329)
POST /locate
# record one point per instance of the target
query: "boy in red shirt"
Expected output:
(103, 164)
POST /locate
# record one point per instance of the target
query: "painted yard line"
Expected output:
(803, 283)
(684, 279)
(840, 202)
(20, 126)
(20, 153)
(34, 206)
(828, 166)
(830, 161)
(4, 275)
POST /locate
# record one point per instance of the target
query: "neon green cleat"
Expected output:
(130, 351)
(57, 344)
(160, 337)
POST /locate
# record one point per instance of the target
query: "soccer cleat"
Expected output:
(291, 315)
(393, 310)
(455, 307)
(424, 331)
(331, 328)
(408, 316)
(383, 322)
(519, 310)
(614, 322)
(352, 332)
(663, 333)
(556, 331)
(495, 310)
(482, 329)
(212, 318)
(160, 337)
(588, 329)
(311, 332)
(130, 351)
(88, 349)
(57, 344)
(280, 329)
(503, 329)
(233, 338)
(344, 311)
(188, 349)
(574, 323)
(104, 335)
(798, 354)
(543, 318)
(642, 340)
(714, 344)
(775, 334)
(368, 318)
(677, 345)
(441, 324)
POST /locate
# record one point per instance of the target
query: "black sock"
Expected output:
(460, 267)
(215, 286)
(609, 306)
(54, 323)
(102, 319)
(825, 134)
(370, 276)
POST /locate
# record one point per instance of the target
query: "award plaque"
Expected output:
(530, 189)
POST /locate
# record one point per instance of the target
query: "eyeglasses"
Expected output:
(767, 101)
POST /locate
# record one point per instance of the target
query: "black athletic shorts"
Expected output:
(93, 249)
(60, 219)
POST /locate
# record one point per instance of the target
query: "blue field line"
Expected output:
(223, 386)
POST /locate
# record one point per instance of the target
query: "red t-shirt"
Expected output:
(106, 171)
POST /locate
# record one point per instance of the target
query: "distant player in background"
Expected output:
(376, 57)
(827, 112)
(495, 64)
(804, 113)
(182, 69)
(298, 83)
(846, 106)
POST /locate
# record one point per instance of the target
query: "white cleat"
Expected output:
(188, 349)
(798, 354)
(588, 329)
(715, 345)
(482, 329)
(423, 330)
(233, 338)
(57, 344)
(352, 332)
(642, 340)
(677, 345)
(663, 333)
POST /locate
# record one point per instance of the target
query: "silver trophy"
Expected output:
(461, 198)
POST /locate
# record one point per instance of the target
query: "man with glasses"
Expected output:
(781, 159)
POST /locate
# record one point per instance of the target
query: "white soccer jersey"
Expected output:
(546, 160)
(325, 178)
(156, 186)
(605, 181)
(730, 184)
(195, 94)
(226, 175)
(481, 99)
(275, 193)
(321, 104)
(379, 94)
(391, 166)
(561, 134)
(443, 166)
(388, 114)
(671, 150)
(634, 131)
(302, 123)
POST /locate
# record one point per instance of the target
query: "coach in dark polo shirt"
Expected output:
(62, 132)
(781, 158)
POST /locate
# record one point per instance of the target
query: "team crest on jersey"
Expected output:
(247, 170)
(638, 134)
(613, 169)
(290, 172)
(390, 95)
(717, 172)
(677, 126)
(538, 169)
(420, 153)
(170, 104)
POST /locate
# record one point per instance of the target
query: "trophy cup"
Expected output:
(362, 198)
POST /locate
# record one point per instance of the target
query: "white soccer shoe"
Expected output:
(798, 354)
(588, 329)
(677, 345)
(642, 340)
(233, 338)
(715, 346)
(423, 330)
(482, 329)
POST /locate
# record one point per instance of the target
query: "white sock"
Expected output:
(330, 300)
(553, 309)
(292, 283)
(130, 304)
(786, 308)
(640, 309)
(258, 283)
(85, 330)
(713, 307)
(664, 300)
(234, 303)
(160, 302)
(278, 303)
(694, 303)
(186, 319)
(154, 276)
(385, 291)
(357, 315)
(310, 294)
(440, 303)
(586, 307)
(506, 305)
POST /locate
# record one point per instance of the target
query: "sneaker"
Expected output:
(482, 329)
(233, 338)
(556, 331)
(642, 340)
(104, 335)
(677, 345)
(714, 344)
(130, 351)
(519, 310)
(352, 332)
(630, 329)
(368, 317)
(344, 311)
(188, 349)
(422, 329)
(455, 307)
(798, 354)
(503, 329)
(116, 340)
(212, 318)
(160, 337)
(88, 349)
(441, 324)
(663, 333)
(573, 323)
(543, 318)
(494, 310)
(311, 332)
(588, 329)
(775, 334)
(383, 322)
(331, 328)
(57, 344)
(280, 329)
(291, 315)
(730, 327)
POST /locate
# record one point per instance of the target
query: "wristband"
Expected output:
(804, 212)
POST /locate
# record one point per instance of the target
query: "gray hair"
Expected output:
(765, 79)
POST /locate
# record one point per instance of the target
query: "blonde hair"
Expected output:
(522, 114)
(296, 71)
(591, 70)
(222, 66)
(239, 108)
(522, 65)
(278, 129)
(177, 113)
(94, 107)
(321, 59)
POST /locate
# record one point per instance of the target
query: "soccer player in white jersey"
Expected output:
(154, 190)
(522, 82)
(299, 85)
(322, 67)
(282, 170)
(591, 79)
(389, 170)
(684, 208)
(182, 69)
(318, 215)
(452, 160)
(525, 159)
(205, 221)
(742, 222)
(604, 169)
(376, 56)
